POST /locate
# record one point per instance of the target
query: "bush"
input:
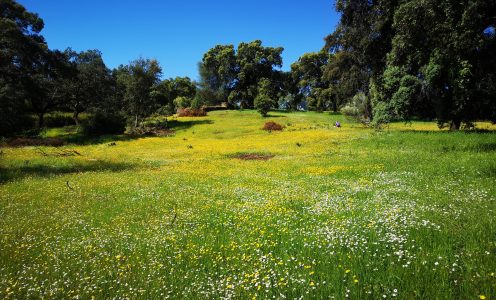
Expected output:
(263, 104)
(358, 109)
(58, 120)
(12, 125)
(104, 123)
(272, 126)
(382, 115)
(182, 102)
(165, 110)
(191, 112)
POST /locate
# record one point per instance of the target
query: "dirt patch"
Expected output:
(164, 132)
(252, 156)
(23, 142)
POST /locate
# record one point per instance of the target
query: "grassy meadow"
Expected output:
(331, 213)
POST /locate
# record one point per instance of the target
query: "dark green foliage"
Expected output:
(91, 83)
(360, 42)
(418, 59)
(58, 119)
(139, 80)
(307, 74)
(358, 109)
(167, 91)
(218, 70)
(21, 48)
(104, 123)
(234, 75)
(45, 91)
(182, 102)
(254, 62)
(264, 101)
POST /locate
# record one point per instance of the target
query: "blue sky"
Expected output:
(178, 33)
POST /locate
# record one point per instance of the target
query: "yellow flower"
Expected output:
(347, 271)
(482, 297)
(312, 283)
(355, 281)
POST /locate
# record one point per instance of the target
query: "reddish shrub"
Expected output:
(272, 126)
(191, 112)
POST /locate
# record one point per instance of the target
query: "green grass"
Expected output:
(337, 212)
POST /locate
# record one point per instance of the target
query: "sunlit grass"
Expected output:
(407, 212)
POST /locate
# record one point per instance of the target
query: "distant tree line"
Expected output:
(387, 60)
(397, 60)
(35, 80)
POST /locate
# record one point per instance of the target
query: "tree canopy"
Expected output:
(428, 59)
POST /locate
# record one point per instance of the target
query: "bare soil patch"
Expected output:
(253, 156)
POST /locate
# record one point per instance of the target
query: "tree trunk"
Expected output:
(136, 121)
(334, 106)
(75, 116)
(41, 120)
(455, 125)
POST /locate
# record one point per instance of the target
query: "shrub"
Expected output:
(263, 104)
(165, 110)
(358, 109)
(191, 112)
(272, 126)
(12, 125)
(104, 123)
(59, 120)
(266, 92)
(182, 102)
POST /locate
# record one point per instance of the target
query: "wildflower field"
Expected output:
(318, 213)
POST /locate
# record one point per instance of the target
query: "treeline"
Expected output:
(250, 77)
(386, 60)
(35, 81)
(398, 60)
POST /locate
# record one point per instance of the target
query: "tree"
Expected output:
(22, 46)
(90, 84)
(308, 74)
(170, 89)
(138, 79)
(45, 87)
(254, 62)
(264, 101)
(291, 96)
(360, 42)
(443, 58)
(417, 59)
(234, 75)
(218, 70)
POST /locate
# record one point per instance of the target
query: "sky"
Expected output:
(178, 32)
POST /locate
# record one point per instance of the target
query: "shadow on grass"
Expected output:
(447, 132)
(15, 172)
(178, 125)
(81, 139)
(489, 171)
(174, 125)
